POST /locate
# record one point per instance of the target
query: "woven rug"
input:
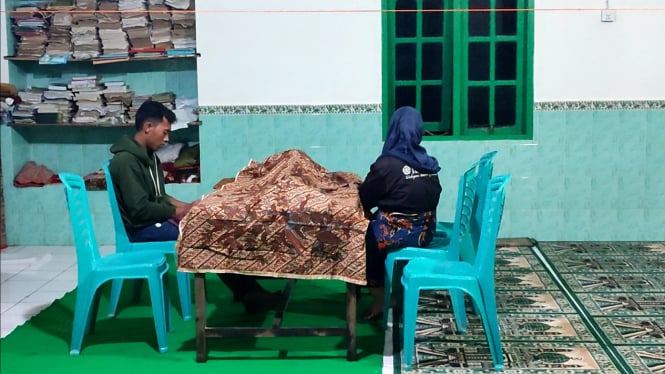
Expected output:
(564, 307)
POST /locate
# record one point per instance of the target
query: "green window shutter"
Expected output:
(468, 72)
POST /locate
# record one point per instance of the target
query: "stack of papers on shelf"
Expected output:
(178, 4)
(85, 116)
(160, 31)
(24, 113)
(118, 99)
(135, 22)
(113, 37)
(86, 4)
(139, 37)
(59, 41)
(108, 12)
(88, 98)
(58, 98)
(31, 31)
(183, 35)
(84, 30)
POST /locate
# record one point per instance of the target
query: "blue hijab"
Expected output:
(403, 141)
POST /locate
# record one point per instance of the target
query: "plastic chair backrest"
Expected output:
(87, 250)
(463, 211)
(485, 169)
(121, 238)
(493, 212)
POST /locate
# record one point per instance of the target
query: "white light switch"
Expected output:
(608, 15)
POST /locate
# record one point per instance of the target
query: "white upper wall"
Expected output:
(255, 56)
(578, 57)
(263, 57)
(4, 68)
(260, 57)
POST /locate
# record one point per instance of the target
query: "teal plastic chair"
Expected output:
(475, 279)
(485, 169)
(441, 247)
(123, 244)
(95, 270)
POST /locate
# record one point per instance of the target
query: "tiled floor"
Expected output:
(32, 278)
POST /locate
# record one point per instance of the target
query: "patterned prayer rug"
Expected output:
(564, 307)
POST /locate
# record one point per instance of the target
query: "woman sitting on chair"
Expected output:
(403, 184)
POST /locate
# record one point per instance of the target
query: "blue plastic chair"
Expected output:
(95, 270)
(476, 278)
(123, 244)
(441, 247)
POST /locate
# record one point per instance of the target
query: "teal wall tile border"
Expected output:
(372, 108)
(289, 109)
(599, 105)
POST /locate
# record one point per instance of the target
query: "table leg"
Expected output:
(200, 304)
(351, 314)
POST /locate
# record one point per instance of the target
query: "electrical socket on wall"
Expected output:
(608, 15)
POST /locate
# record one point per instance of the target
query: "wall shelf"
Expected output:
(85, 125)
(99, 61)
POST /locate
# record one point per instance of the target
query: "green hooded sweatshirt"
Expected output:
(139, 184)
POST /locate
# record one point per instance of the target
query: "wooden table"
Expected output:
(203, 331)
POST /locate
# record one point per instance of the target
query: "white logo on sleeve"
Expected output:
(410, 173)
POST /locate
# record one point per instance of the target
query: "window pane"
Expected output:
(405, 61)
(405, 96)
(479, 22)
(506, 22)
(506, 61)
(405, 22)
(504, 109)
(432, 61)
(431, 103)
(432, 21)
(479, 65)
(479, 112)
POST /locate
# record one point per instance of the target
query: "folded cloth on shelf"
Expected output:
(286, 217)
(33, 175)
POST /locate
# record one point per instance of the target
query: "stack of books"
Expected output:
(160, 25)
(183, 35)
(58, 99)
(118, 99)
(135, 22)
(60, 41)
(113, 37)
(88, 98)
(31, 31)
(84, 30)
(24, 113)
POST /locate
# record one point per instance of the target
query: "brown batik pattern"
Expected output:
(286, 217)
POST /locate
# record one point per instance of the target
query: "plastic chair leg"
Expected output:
(167, 303)
(116, 288)
(409, 324)
(185, 293)
(492, 330)
(157, 298)
(387, 288)
(459, 309)
(84, 300)
(90, 328)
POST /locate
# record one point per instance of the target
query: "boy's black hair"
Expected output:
(152, 111)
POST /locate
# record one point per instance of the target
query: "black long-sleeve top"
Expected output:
(393, 186)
